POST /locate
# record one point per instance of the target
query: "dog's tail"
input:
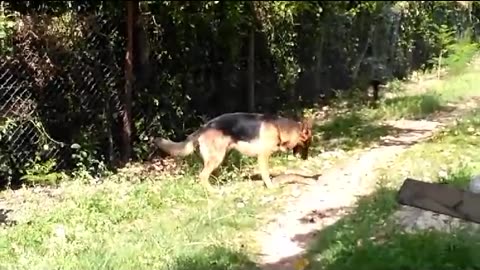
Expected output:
(181, 149)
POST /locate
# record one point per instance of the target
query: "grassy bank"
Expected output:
(368, 238)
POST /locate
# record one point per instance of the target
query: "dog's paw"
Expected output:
(208, 187)
(269, 184)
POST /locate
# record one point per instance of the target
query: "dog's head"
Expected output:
(305, 138)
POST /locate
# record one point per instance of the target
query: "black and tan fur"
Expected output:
(251, 134)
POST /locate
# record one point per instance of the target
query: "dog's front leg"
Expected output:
(286, 146)
(263, 166)
(283, 147)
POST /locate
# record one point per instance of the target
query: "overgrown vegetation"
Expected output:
(136, 219)
(356, 125)
(191, 63)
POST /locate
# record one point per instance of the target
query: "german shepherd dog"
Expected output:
(252, 134)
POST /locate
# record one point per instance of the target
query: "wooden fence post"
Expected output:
(126, 94)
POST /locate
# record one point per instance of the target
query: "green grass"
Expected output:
(411, 105)
(368, 238)
(458, 88)
(164, 224)
(356, 126)
(452, 151)
(461, 53)
(351, 131)
(137, 221)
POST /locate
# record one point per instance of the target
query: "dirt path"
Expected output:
(286, 238)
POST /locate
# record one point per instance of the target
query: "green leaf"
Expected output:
(10, 24)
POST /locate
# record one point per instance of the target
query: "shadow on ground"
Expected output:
(358, 128)
(350, 131)
(288, 178)
(216, 258)
(366, 238)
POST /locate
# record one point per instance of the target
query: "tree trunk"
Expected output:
(318, 63)
(126, 94)
(251, 71)
(356, 67)
(141, 54)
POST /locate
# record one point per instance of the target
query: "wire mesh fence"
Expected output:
(63, 71)
(58, 77)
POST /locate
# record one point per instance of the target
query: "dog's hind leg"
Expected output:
(212, 152)
(210, 163)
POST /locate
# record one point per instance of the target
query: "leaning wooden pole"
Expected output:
(440, 198)
(126, 94)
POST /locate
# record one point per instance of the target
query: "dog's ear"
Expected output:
(306, 126)
(307, 123)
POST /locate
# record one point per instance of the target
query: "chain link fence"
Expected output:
(58, 77)
(62, 73)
